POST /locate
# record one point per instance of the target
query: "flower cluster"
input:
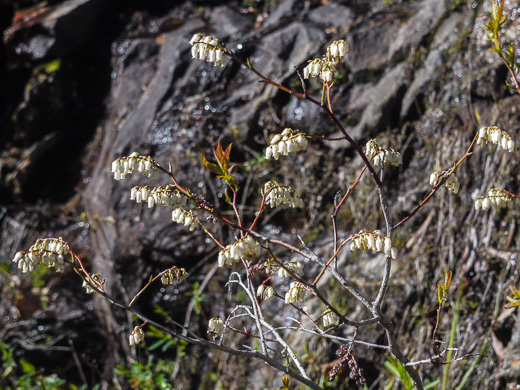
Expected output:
(330, 319)
(294, 266)
(165, 196)
(216, 325)
(374, 241)
(98, 280)
(173, 275)
(337, 50)
(288, 142)
(496, 136)
(296, 293)
(280, 195)
(496, 199)
(47, 251)
(452, 183)
(265, 292)
(325, 70)
(245, 248)
(133, 163)
(137, 336)
(380, 155)
(185, 218)
(209, 49)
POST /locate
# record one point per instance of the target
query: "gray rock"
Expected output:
(276, 56)
(447, 36)
(371, 43)
(384, 101)
(429, 14)
(59, 30)
(332, 14)
(228, 22)
(285, 11)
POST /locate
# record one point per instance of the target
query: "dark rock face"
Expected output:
(87, 81)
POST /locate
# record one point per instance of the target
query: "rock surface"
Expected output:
(83, 82)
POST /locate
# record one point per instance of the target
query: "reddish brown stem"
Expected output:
(442, 181)
(235, 206)
(511, 194)
(95, 284)
(515, 80)
(330, 114)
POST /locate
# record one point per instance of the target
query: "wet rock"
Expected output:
(55, 31)
(383, 102)
(229, 23)
(277, 55)
(164, 104)
(447, 36)
(286, 11)
(332, 14)
(389, 37)
(371, 43)
(68, 46)
(428, 14)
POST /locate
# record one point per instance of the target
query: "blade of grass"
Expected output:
(454, 324)
(485, 346)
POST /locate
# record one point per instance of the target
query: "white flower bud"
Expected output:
(221, 259)
(434, 177)
(330, 319)
(371, 242)
(379, 244)
(388, 243)
(136, 336)
(296, 293)
(306, 71)
(216, 325)
(125, 165)
(211, 56)
(265, 292)
(283, 274)
(195, 38)
(208, 48)
(496, 136)
(234, 253)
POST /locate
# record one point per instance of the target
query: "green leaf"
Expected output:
(53, 66)
(156, 345)
(27, 367)
(392, 368)
(222, 156)
(227, 198)
(212, 167)
(167, 345)
(230, 181)
(432, 385)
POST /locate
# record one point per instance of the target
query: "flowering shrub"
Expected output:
(290, 141)
(251, 254)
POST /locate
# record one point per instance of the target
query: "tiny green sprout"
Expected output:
(285, 381)
(495, 25)
(442, 288)
(222, 167)
(514, 301)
